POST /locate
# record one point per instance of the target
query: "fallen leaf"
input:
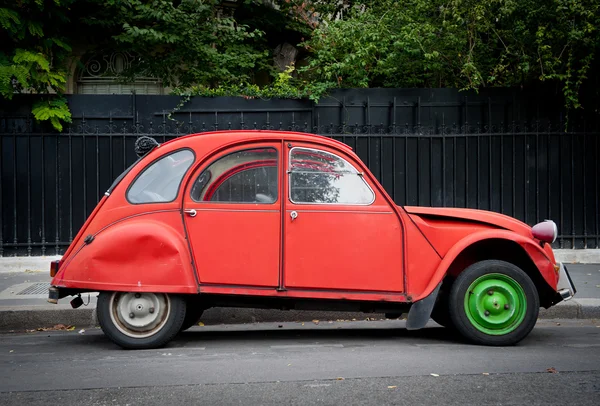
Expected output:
(201, 324)
(339, 378)
(434, 374)
(486, 373)
(598, 286)
(81, 331)
(289, 365)
(302, 323)
(552, 370)
(316, 321)
(57, 327)
(392, 387)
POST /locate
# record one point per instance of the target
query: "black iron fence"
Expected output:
(424, 152)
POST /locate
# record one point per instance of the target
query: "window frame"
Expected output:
(152, 163)
(221, 182)
(358, 173)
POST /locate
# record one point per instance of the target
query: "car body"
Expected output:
(296, 221)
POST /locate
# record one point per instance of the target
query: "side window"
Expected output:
(159, 182)
(248, 176)
(321, 177)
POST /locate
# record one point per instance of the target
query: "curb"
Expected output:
(21, 318)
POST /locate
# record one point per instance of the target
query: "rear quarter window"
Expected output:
(160, 181)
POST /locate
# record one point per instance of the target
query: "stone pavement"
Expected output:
(24, 290)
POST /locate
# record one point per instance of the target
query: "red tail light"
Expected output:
(54, 265)
(545, 231)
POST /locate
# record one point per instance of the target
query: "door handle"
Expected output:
(190, 212)
(294, 215)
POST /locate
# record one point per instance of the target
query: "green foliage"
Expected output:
(467, 44)
(54, 110)
(285, 86)
(35, 52)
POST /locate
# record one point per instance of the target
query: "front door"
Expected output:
(232, 211)
(340, 233)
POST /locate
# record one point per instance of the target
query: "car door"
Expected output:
(232, 212)
(340, 233)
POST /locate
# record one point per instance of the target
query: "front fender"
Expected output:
(536, 253)
(145, 253)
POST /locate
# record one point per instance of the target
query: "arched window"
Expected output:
(100, 75)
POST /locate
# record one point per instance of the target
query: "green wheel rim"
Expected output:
(495, 304)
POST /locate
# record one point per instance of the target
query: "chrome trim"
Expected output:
(342, 211)
(238, 210)
(564, 286)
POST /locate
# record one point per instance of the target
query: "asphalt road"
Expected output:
(357, 363)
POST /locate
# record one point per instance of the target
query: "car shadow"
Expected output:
(429, 335)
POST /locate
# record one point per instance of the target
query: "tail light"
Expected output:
(545, 231)
(54, 265)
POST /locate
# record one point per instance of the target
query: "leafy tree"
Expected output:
(457, 43)
(34, 54)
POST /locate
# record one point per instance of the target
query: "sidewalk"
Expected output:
(23, 304)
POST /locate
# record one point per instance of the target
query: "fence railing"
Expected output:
(530, 170)
(51, 182)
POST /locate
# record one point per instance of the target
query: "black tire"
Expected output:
(516, 327)
(441, 312)
(163, 328)
(192, 315)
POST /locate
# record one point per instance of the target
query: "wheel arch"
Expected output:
(504, 246)
(139, 254)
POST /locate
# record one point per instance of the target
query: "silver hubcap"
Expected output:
(139, 315)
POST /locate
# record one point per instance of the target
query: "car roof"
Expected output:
(228, 136)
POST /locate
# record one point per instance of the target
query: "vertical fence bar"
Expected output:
(367, 121)
(548, 137)
(98, 167)
(572, 136)
(43, 201)
(585, 239)
(490, 138)
(443, 161)
(28, 136)
(537, 172)
(561, 192)
(513, 181)
(15, 239)
(56, 196)
(70, 140)
(84, 177)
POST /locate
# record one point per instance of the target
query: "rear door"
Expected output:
(232, 211)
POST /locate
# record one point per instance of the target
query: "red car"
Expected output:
(296, 221)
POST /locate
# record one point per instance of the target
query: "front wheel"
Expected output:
(494, 303)
(137, 320)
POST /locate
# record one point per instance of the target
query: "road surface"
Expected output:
(348, 363)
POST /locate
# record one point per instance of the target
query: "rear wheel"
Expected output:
(137, 320)
(493, 303)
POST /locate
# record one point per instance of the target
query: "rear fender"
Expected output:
(536, 253)
(141, 254)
